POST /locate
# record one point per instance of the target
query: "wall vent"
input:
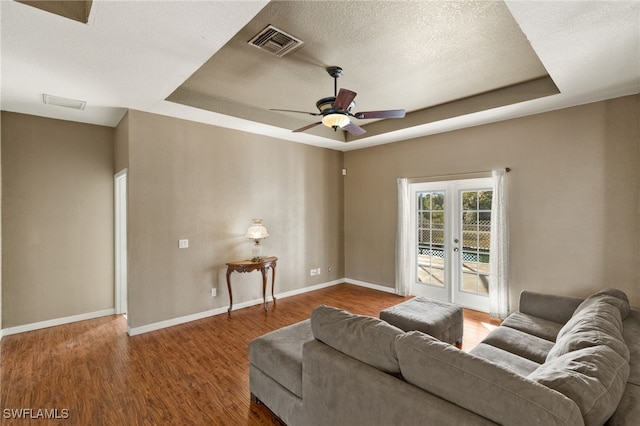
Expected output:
(275, 41)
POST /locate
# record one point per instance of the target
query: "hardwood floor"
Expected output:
(93, 373)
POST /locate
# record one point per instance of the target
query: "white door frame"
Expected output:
(120, 213)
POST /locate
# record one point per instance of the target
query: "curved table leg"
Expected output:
(264, 288)
(273, 280)
(229, 288)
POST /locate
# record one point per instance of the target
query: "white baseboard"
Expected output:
(177, 321)
(57, 321)
(187, 318)
(371, 286)
(223, 310)
(308, 289)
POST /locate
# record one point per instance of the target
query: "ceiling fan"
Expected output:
(336, 110)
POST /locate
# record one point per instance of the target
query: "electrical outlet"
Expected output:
(214, 292)
(313, 272)
(318, 271)
(183, 243)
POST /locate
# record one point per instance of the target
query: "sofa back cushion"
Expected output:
(479, 385)
(611, 296)
(593, 377)
(597, 321)
(367, 339)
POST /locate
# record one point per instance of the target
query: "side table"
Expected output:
(251, 265)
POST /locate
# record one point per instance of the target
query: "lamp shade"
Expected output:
(335, 120)
(257, 231)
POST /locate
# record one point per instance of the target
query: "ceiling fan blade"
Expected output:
(344, 99)
(291, 110)
(392, 113)
(308, 126)
(354, 129)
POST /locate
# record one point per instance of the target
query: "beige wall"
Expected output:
(204, 183)
(574, 207)
(57, 216)
(573, 196)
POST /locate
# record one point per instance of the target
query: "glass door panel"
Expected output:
(429, 275)
(430, 238)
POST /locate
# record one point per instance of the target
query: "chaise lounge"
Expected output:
(557, 361)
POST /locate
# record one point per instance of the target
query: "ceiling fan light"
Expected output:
(335, 120)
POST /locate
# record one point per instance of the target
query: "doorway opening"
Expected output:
(120, 214)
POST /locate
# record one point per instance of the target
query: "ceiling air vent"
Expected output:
(63, 102)
(275, 41)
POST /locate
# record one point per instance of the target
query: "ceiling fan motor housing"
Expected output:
(326, 106)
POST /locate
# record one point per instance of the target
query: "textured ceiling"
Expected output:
(451, 64)
(78, 10)
(395, 55)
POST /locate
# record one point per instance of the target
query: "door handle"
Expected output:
(456, 249)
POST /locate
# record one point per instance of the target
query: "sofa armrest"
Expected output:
(558, 309)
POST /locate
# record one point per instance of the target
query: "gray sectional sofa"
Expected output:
(557, 361)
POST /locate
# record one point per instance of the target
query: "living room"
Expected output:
(573, 204)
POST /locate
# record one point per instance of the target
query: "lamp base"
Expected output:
(256, 252)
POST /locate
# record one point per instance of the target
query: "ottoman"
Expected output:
(442, 320)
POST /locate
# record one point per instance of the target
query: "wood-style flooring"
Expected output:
(93, 373)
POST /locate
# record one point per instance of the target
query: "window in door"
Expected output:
(430, 238)
(476, 238)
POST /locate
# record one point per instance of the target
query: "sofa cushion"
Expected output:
(596, 323)
(611, 296)
(628, 411)
(519, 343)
(364, 338)
(551, 307)
(480, 386)
(278, 354)
(630, 333)
(513, 362)
(594, 378)
(535, 326)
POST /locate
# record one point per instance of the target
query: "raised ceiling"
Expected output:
(395, 55)
(450, 64)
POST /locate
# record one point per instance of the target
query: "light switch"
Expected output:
(183, 243)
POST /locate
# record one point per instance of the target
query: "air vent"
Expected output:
(63, 102)
(275, 41)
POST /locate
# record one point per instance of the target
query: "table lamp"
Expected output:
(256, 232)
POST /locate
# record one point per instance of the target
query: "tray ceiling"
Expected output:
(396, 55)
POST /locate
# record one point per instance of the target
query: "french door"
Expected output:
(450, 242)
